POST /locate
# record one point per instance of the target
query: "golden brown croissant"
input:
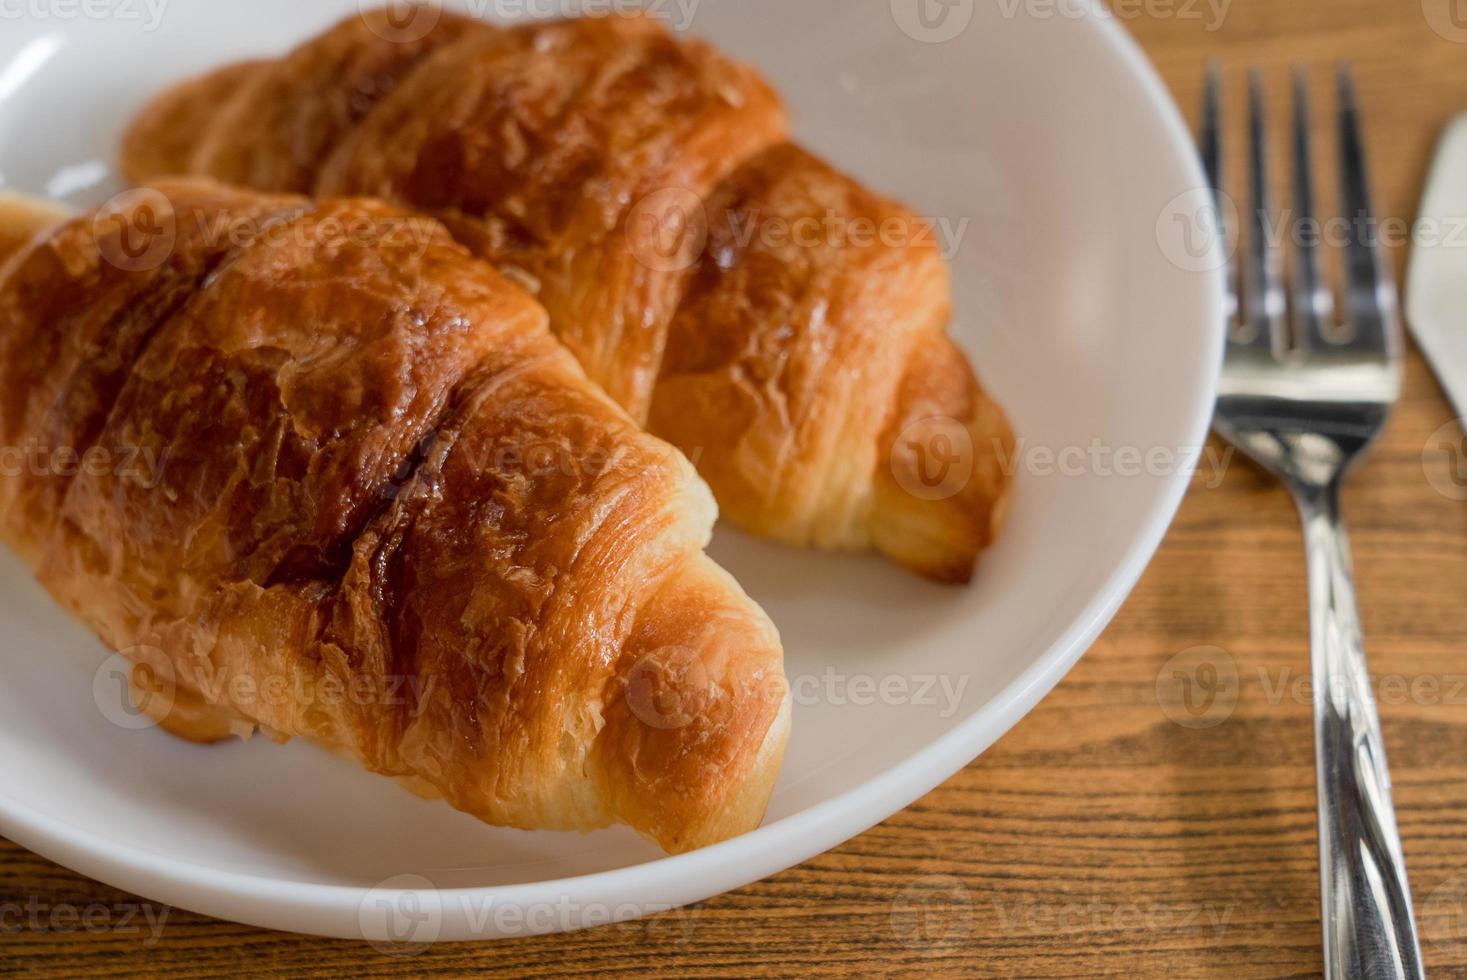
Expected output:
(323, 471)
(769, 316)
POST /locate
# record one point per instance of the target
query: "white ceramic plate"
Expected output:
(1036, 131)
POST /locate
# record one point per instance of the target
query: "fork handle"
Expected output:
(1369, 929)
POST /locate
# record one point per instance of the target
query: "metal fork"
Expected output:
(1304, 396)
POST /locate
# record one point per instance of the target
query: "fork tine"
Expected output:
(1313, 303)
(1210, 145)
(1263, 280)
(1369, 299)
(1210, 139)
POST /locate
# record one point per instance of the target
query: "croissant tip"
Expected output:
(22, 218)
(957, 574)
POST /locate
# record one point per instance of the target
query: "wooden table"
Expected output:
(1100, 837)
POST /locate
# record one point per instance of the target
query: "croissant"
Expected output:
(316, 468)
(783, 326)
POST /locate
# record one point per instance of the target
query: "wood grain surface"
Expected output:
(1155, 815)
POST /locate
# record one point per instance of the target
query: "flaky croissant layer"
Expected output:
(318, 469)
(644, 188)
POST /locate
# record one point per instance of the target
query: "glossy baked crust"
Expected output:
(642, 186)
(322, 471)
